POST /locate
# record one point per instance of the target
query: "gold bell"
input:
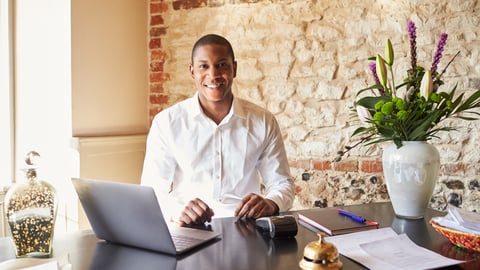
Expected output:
(320, 255)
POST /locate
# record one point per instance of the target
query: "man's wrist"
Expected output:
(275, 207)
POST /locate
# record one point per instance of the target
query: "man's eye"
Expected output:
(203, 66)
(222, 65)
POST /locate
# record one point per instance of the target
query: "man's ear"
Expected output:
(191, 71)
(234, 69)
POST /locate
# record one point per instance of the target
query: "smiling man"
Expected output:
(209, 155)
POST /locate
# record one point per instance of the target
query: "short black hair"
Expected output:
(213, 39)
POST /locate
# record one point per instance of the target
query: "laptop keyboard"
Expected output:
(181, 241)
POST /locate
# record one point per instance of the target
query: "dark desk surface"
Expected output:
(243, 247)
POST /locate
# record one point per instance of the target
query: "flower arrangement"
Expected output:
(412, 109)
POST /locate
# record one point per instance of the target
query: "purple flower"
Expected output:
(412, 32)
(373, 69)
(438, 53)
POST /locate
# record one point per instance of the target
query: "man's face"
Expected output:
(213, 70)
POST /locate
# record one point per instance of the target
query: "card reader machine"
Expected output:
(277, 226)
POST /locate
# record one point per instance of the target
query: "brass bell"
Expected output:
(320, 255)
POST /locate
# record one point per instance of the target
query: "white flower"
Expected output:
(426, 86)
(363, 114)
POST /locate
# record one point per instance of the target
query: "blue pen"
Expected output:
(352, 216)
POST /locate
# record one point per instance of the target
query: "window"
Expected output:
(40, 82)
(6, 94)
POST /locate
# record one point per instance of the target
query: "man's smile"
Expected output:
(213, 85)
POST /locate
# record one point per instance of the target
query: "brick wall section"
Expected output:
(304, 60)
(158, 99)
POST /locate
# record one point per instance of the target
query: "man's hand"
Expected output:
(255, 206)
(195, 212)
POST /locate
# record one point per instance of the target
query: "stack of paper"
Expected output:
(384, 249)
(460, 220)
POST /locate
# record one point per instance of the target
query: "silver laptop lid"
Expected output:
(126, 214)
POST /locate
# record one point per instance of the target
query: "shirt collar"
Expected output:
(195, 110)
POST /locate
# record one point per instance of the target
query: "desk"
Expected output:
(243, 247)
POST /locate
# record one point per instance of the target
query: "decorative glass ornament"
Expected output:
(30, 210)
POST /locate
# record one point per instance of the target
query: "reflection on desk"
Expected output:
(116, 257)
(242, 247)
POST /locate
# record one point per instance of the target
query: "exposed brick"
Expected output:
(159, 77)
(154, 110)
(158, 99)
(346, 166)
(158, 7)
(156, 20)
(158, 55)
(301, 164)
(156, 66)
(218, 3)
(189, 4)
(298, 189)
(321, 165)
(155, 43)
(156, 88)
(453, 169)
(250, 1)
(158, 31)
(371, 166)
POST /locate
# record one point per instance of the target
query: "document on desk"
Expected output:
(385, 249)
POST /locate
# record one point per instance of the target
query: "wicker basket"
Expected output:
(459, 238)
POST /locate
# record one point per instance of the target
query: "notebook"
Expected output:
(129, 214)
(331, 222)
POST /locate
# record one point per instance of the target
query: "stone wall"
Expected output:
(305, 60)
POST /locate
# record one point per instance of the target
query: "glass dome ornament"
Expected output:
(30, 212)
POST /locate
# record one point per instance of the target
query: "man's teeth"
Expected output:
(212, 85)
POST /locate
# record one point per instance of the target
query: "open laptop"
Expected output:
(129, 214)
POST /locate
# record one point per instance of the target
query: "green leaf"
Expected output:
(369, 102)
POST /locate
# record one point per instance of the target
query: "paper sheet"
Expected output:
(466, 219)
(384, 249)
(402, 252)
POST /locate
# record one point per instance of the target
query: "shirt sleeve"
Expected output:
(159, 166)
(275, 171)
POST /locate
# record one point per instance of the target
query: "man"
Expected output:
(208, 155)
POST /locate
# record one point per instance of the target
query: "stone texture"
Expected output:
(305, 60)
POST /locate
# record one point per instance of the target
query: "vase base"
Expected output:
(409, 217)
(35, 255)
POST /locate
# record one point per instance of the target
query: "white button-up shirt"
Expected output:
(189, 156)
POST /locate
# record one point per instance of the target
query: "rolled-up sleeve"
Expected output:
(275, 171)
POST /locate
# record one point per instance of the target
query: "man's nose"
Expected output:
(214, 71)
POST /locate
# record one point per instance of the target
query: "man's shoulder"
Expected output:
(253, 108)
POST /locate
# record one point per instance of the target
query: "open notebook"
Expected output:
(129, 214)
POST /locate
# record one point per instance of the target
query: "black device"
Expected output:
(277, 226)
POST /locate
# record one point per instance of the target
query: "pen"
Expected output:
(352, 216)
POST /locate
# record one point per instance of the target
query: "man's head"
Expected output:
(213, 39)
(213, 69)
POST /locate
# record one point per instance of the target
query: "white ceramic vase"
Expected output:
(411, 173)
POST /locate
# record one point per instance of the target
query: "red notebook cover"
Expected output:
(331, 222)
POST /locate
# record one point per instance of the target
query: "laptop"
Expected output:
(129, 214)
